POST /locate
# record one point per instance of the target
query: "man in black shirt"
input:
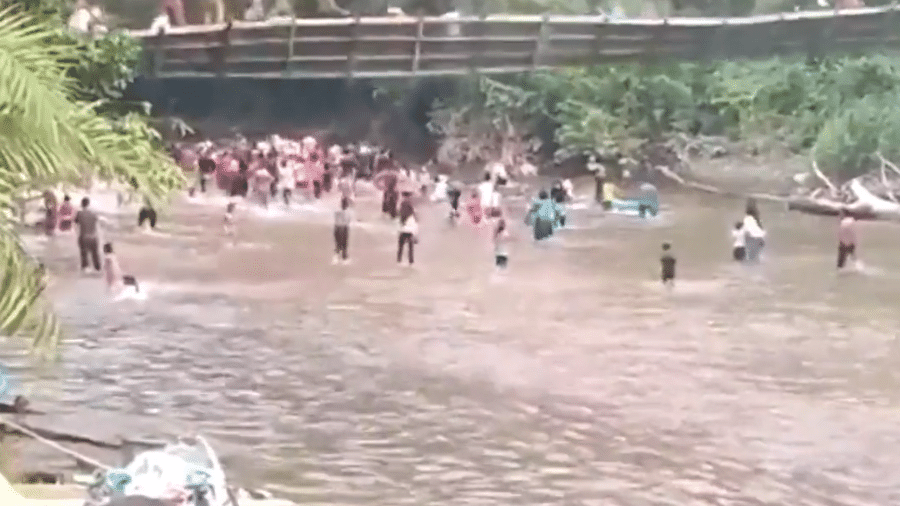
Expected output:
(87, 222)
(453, 195)
(668, 265)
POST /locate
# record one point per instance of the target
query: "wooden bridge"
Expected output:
(402, 47)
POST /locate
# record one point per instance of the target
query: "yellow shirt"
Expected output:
(610, 192)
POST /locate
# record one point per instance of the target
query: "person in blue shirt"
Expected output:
(543, 216)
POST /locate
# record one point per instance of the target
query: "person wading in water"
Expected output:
(409, 230)
(599, 172)
(146, 214)
(388, 178)
(543, 216)
(51, 214)
(342, 220)
(286, 181)
(88, 237)
(754, 233)
(846, 239)
(66, 214)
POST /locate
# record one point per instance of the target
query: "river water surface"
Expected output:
(573, 379)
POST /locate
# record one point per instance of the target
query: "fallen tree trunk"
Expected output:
(7, 428)
(669, 174)
(828, 207)
(882, 208)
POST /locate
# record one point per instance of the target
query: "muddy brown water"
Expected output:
(573, 379)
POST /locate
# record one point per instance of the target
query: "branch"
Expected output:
(823, 178)
(668, 173)
(887, 163)
(884, 181)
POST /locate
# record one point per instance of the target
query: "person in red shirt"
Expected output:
(474, 208)
(388, 179)
(66, 214)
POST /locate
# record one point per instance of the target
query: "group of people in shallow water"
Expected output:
(748, 241)
(304, 169)
(278, 167)
(85, 225)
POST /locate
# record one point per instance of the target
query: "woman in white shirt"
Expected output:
(486, 194)
(286, 181)
(409, 230)
(754, 235)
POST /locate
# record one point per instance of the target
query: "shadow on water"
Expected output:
(575, 379)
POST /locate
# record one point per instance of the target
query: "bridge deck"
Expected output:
(401, 47)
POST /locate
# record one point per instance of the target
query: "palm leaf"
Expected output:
(46, 139)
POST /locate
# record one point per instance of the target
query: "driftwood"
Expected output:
(818, 173)
(16, 429)
(828, 207)
(671, 175)
(864, 205)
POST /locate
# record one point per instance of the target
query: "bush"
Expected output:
(840, 108)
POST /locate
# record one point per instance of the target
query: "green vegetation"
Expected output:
(842, 110)
(63, 122)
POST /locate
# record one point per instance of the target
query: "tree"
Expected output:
(46, 138)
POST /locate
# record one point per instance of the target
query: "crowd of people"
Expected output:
(304, 170)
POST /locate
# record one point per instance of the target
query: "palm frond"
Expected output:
(45, 139)
(22, 307)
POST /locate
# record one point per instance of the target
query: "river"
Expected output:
(573, 379)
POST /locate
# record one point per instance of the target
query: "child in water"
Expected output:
(738, 242)
(228, 221)
(342, 219)
(115, 280)
(474, 208)
(501, 244)
(667, 262)
(453, 195)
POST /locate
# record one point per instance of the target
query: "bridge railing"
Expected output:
(399, 47)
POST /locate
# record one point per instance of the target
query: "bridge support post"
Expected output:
(288, 62)
(890, 21)
(816, 40)
(351, 55)
(711, 48)
(653, 49)
(597, 45)
(159, 53)
(540, 42)
(417, 48)
(476, 52)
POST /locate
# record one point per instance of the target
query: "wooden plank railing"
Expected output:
(408, 47)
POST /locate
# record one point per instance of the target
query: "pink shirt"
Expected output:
(262, 179)
(66, 211)
(847, 231)
(112, 271)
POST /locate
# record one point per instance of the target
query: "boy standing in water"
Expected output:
(667, 262)
(501, 244)
(454, 193)
(738, 242)
(846, 239)
(228, 222)
(342, 219)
